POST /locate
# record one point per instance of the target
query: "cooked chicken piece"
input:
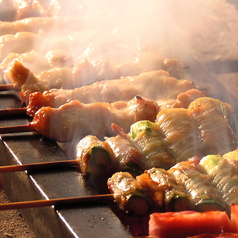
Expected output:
(19, 43)
(49, 25)
(36, 62)
(155, 85)
(83, 72)
(23, 42)
(76, 119)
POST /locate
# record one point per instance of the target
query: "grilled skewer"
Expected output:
(47, 122)
(182, 100)
(159, 85)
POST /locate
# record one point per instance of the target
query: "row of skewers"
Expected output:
(139, 150)
(101, 159)
(131, 134)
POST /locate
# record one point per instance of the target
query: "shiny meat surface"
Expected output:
(154, 85)
(63, 72)
(76, 119)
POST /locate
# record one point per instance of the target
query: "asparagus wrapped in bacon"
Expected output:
(204, 194)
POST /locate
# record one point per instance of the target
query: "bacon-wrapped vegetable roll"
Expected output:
(204, 194)
(96, 161)
(166, 192)
(94, 156)
(223, 108)
(127, 155)
(180, 132)
(149, 137)
(224, 174)
(128, 194)
(211, 120)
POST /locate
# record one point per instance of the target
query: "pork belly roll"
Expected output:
(128, 157)
(94, 156)
(96, 161)
(212, 121)
(224, 174)
(148, 136)
(198, 184)
(180, 131)
(166, 192)
(128, 194)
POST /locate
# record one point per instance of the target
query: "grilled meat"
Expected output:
(76, 120)
(204, 194)
(154, 85)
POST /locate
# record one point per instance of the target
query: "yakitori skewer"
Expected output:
(57, 202)
(13, 111)
(16, 129)
(7, 87)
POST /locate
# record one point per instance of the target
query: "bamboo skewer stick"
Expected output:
(7, 87)
(16, 129)
(37, 166)
(13, 111)
(57, 202)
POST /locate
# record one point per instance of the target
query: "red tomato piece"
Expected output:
(234, 218)
(188, 223)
